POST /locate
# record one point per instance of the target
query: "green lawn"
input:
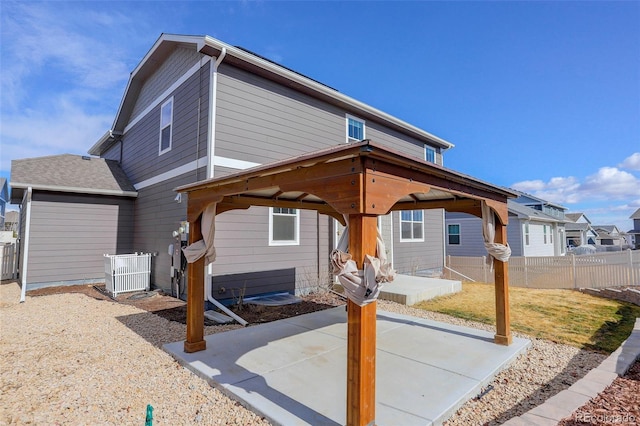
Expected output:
(563, 316)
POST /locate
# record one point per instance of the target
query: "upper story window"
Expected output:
(166, 125)
(355, 129)
(453, 233)
(411, 225)
(284, 226)
(429, 154)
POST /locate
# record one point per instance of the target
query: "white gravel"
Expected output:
(72, 359)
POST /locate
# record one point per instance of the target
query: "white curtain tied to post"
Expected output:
(204, 247)
(500, 252)
(361, 286)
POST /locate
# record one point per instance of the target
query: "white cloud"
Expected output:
(65, 66)
(34, 133)
(632, 162)
(608, 183)
(529, 185)
(61, 46)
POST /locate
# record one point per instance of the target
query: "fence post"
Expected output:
(484, 269)
(526, 272)
(630, 273)
(448, 265)
(573, 270)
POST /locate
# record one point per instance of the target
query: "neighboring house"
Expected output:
(74, 209)
(530, 232)
(12, 220)
(634, 233)
(579, 230)
(4, 199)
(551, 209)
(196, 108)
(609, 236)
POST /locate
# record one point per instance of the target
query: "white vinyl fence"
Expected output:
(127, 272)
(599, 270)
(8, 261)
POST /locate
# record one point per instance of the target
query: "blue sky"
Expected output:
(539, 96)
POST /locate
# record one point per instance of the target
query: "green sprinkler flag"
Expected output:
(149, 419)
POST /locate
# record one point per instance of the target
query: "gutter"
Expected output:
(20, 185)
(25, 244)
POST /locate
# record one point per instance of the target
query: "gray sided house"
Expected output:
(634, 233)
(579, 230)
(196, 108)
(530, 231)
(73, 209)
(4, 198)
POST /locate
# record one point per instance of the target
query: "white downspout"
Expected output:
(207, 292)
(25, 245)
(211, 130)
(444, 240)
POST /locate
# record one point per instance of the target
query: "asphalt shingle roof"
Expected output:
(71, 173)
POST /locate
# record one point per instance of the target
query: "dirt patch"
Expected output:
(173, 309)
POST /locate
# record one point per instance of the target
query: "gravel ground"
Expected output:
(73, 359)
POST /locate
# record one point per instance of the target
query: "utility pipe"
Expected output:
(25, 244)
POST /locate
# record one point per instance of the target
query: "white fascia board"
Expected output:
(76, 190)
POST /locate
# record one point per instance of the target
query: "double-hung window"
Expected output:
(166, 126)
(355, 129)
(284, 226)
(429, 154)
(411, 225)
(453, 233)
(526, 234)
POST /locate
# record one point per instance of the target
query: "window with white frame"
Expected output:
(355, 129)
(429, 154)
(526, 234)
(453, 234)
(284, 226)
(411, 225)
(544, 234)
(166, 126)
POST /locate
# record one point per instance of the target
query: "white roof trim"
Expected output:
(76, 190)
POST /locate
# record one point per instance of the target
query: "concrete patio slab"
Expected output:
(293, 371)
(409, 290)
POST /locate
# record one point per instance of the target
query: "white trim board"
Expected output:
(195, 68)
(193, 165)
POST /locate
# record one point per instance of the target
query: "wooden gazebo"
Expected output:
(357, 181)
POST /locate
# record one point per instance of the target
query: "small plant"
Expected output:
(239, 298)
(314, 281)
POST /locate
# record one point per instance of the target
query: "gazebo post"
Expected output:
(195, 296)
(501, 276)
(361, 335)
